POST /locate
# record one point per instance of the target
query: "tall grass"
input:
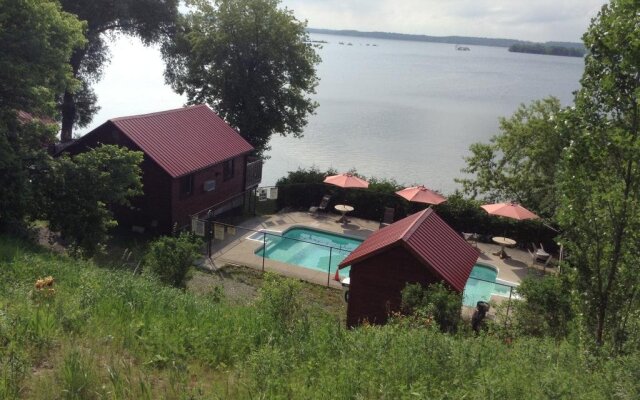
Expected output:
(113, 335)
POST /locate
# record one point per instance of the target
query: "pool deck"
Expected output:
(239, 250)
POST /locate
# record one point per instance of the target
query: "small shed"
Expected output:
(420, 248)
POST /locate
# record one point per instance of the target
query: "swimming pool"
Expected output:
(309, 248)
(483, 283)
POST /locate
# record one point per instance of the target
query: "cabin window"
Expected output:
(228, 169)
(209, 186)
(186, 185)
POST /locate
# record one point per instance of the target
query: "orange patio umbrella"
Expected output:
(346, 180)
(509, 210)
(420, 194)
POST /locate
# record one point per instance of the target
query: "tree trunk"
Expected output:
(68, 107)
(618, 235)
(68, 110)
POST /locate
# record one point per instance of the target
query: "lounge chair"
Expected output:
(387, 218)
(540, 253)
(322, 206)
(535, 257)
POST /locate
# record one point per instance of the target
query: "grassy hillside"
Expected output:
(105, 334)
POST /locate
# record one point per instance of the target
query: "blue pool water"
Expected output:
(482, 284)
(310, 248)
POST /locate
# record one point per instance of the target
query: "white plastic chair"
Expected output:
(540, 253)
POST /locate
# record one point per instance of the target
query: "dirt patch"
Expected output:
(238, 285)
(48, 239)
(241, 285)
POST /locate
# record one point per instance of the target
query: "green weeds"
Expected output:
(114, 335)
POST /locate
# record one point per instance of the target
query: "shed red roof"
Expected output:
(183, 140)
(430, 240)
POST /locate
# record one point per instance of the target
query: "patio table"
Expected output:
(502, 241)
(343, 209)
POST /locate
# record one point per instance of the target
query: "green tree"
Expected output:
(546, 309)
(251, 61)
(520, 163)
(36, 40)
(80, 192)
(600, 179)
(150, 20)
(170, 258)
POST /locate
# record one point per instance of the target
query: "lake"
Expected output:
(399, 109)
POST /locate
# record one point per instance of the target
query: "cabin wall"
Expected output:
(377, 283)
(183, 206)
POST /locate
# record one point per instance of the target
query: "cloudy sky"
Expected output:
(535, 20)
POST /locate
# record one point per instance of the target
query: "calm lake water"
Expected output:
(402, 110)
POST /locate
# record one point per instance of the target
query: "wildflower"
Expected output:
(45, 282)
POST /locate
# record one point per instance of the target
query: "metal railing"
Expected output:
(487, 290)
(253, 174)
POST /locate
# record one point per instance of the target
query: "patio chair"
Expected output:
(540, 253)
(471, 238)
(387, 218)
(322, 206)
(535, 258)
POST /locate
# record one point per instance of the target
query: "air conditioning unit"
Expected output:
(273, 193)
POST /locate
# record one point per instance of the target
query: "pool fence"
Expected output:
(255, 248)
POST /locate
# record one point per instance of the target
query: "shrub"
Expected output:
(435, 301)
(303, 175)
(546, 309)
(304, 188)
(80, 192)
(280, 302)
(171, 257)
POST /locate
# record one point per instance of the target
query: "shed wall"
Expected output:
(377, 282)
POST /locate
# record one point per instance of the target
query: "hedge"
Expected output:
(304, 188)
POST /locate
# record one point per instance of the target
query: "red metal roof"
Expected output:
(183, 140)
(25, 118)
(430, 240)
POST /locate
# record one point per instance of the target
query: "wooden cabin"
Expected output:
(193, 161)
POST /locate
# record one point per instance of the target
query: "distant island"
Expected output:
(539, 48)
(457, 40)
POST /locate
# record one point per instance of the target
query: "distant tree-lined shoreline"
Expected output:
(463, 40)
(539, 48)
